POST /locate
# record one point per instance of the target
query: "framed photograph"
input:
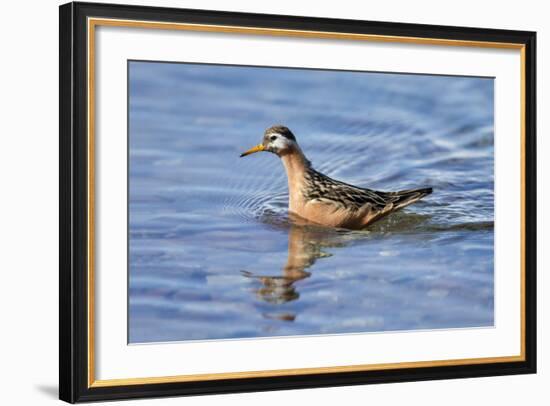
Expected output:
(255, 202)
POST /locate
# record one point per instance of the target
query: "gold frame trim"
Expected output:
(94, 22)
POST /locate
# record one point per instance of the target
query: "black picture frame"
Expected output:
(74, 199)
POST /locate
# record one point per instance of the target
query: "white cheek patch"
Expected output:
(280, 143)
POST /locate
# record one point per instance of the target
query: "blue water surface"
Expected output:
(212, 252)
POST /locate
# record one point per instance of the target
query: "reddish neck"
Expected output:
(296, 164)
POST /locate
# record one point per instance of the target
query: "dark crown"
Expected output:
(281, 129)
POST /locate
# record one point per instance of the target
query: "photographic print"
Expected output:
(359, 196)
(366, 204)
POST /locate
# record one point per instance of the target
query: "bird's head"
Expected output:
(277, 139)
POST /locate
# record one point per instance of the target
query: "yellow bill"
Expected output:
(257, 148)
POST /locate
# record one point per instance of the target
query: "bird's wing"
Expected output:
(325, 189)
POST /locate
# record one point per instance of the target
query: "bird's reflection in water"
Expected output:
(305, 246)
(308, 242)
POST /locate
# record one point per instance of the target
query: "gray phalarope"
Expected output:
(322, 200)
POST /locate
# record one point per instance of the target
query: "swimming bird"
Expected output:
(322, 200)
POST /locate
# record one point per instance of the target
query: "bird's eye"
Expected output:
(273, 138)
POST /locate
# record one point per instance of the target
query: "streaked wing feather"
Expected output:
(325, 189)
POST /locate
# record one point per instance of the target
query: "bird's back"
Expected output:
(335, 203)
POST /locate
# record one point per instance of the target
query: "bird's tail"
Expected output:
(406, 197)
